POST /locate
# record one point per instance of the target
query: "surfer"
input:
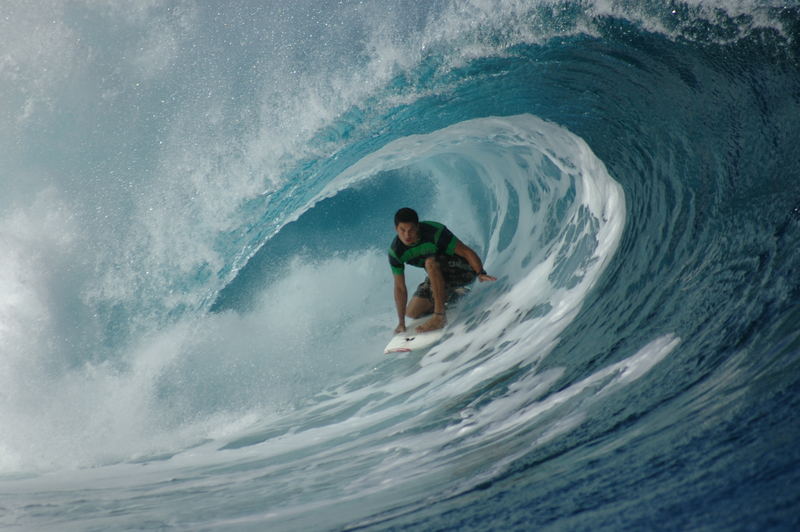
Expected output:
(450, 265)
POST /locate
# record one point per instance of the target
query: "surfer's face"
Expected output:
(408, 233)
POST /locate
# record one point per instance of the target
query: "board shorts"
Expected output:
(457, 275)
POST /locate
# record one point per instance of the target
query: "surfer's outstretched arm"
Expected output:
(462, 250)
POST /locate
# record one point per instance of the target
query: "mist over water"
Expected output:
(194, 290)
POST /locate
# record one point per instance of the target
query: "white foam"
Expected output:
(514, 412)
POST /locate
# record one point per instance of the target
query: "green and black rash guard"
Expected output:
(434, 239)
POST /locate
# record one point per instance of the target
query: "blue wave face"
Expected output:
(197, 293)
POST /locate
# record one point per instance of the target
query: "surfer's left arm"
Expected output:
(462, 250)
(400, 301)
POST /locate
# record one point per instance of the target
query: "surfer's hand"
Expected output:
(485, 277)
(400, 328)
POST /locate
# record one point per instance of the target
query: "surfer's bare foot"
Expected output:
(437, 321)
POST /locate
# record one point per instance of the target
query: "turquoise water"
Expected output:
(196, 211)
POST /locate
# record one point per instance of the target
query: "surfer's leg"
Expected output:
(422, 301)
(438, 319)
(419, 306)
(437, 283)
(458, 275)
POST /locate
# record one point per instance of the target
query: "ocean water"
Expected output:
(195, 295)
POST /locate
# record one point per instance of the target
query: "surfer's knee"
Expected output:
(432, 264)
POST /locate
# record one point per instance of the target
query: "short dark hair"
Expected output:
(406, 215)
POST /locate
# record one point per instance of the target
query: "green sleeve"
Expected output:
(398, 268)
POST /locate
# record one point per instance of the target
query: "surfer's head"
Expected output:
(406, 215)
(406, 223)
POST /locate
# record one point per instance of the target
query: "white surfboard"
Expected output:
(411, 340)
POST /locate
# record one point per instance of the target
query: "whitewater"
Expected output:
(195, 292)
